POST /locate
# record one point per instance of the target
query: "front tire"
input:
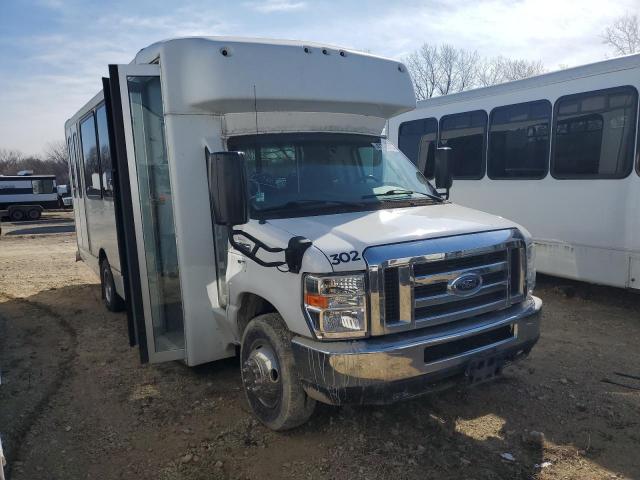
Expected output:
(269, 375)
(112, 300)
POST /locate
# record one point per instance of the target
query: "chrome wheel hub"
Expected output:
(261, 375)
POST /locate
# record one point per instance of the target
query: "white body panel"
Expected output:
(94, 216)
(9, 196)
(585, 229)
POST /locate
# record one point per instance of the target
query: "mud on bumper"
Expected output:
(386, 369)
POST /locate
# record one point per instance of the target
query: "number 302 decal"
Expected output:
(345, 257)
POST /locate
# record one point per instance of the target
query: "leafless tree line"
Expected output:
(52, 162)
(443, 69)
(623, 35)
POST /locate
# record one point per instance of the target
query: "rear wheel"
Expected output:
(269, 374)
(34, 213)
(16, 215)
(112, 300)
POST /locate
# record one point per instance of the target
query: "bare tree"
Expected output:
(423, 64)
(54, 162)
(623, 35)
(444, 69)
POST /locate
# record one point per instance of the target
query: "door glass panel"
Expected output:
(156, 207)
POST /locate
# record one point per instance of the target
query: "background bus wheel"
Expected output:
(34, 214)
(16, 215)
(112, 300)
(269, 374)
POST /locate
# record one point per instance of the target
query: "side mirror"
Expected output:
(228, 187)
(443, 176)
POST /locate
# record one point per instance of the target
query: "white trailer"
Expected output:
(23, 197)
(557, 153)
(240, 194)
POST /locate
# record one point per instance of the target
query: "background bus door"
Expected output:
(79, 193)
(145, 211)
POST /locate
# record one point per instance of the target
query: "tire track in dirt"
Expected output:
(15, 435)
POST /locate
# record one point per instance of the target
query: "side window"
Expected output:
(417, 140)
(519, 141)
(465, 134)
(37, 187)
(72, 177)
(76, 161)
(90, 156)
(105, 153)
(593, 134)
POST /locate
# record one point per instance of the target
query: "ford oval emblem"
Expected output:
(465, 285)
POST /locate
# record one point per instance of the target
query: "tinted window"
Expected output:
(417, 140)
(15, 187)
(105, 153)
(90, 155)
(465, 134)
(72, 177)
(594, 134)
(519, 140)
(76, 161)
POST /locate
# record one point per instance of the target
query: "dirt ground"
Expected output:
(75, 403)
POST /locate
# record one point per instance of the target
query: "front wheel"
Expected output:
(269, 374)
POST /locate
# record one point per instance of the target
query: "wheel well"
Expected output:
(251, 305)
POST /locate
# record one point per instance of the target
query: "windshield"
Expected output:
(302, 174)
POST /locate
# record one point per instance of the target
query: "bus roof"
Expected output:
(607, 66)
(221, 75)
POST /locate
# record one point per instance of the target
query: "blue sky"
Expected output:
(54, 52)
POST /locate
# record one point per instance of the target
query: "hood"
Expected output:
(345, 236)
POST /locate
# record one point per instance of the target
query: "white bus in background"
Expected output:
(23, 197)
(557, 153)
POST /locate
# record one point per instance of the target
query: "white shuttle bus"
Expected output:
(557, 153)
(238, 193)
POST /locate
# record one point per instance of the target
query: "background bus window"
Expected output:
(417, 140)
(43, 186)
(105, 154)
(519, 141)
(594, 134)
(90, 155)
(465, 133)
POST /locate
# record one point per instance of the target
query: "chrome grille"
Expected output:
(418, 291)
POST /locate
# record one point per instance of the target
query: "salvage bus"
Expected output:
(238, 193)
(554, 152)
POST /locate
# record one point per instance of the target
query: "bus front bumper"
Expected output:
(385, 369)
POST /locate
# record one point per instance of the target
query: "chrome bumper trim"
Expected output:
(379, 361)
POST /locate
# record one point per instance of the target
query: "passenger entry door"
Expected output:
(146, 209)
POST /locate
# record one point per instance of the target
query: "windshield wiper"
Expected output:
(310, 203)
(398, 191)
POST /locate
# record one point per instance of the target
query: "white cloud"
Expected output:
(270, 6)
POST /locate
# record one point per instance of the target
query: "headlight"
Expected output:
(531, 267)
(336, 305)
